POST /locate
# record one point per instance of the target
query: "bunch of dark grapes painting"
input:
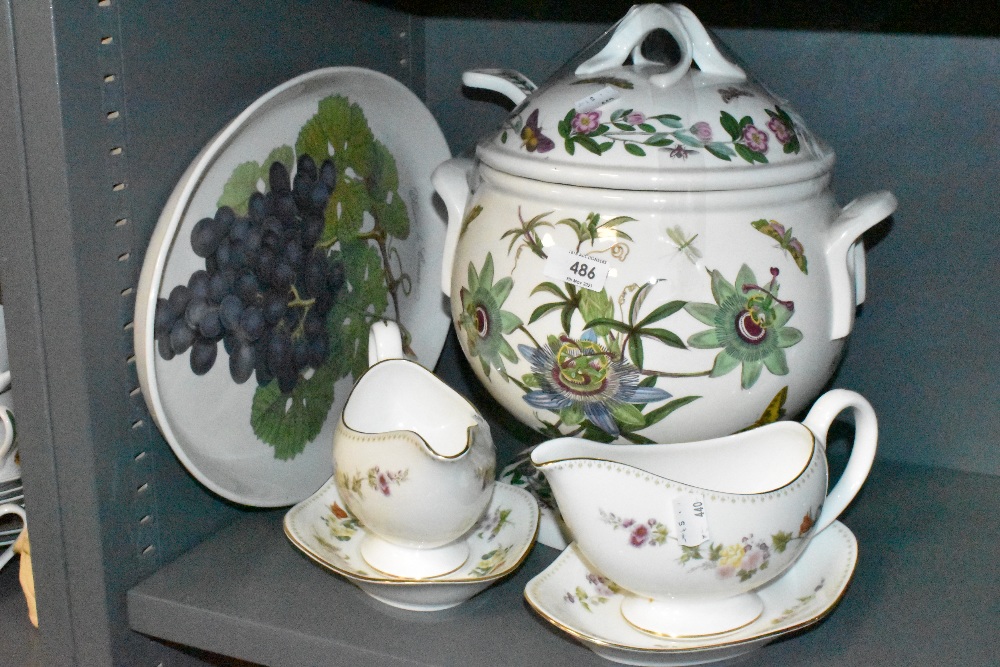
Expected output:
(298, 261)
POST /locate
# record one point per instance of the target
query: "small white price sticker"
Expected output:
(598, 99)
(580, 270)
(692, 521)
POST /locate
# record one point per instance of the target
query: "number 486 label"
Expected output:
(581, 270)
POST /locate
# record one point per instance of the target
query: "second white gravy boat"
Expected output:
(692, 529)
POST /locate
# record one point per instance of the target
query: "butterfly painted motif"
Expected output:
(684, 244)
(531, 135)
(774, 411)
(786, 241)
(731, 93)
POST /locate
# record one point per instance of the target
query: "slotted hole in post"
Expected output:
(136, 391)
(124, 257)
(112, 115)
(118, 187)
(120, 222)
(146, 520)
(103, 3)
(130, 359)
(109, 78)
(115, 150)
(129, 326)
(105, 41)
(138, 423)
(148, 550)
(143, 488)
(140, 456)
(127, 291)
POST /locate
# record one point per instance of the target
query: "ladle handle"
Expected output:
(384, 342)
(508, 82)
(819, 420)
(693, 40)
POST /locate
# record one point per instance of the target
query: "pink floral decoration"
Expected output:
(702, 130)
(755, 138)
(585, 123)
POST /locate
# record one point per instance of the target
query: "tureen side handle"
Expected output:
(693, 40)
(845, 256)
(451, 181)
(820, 418)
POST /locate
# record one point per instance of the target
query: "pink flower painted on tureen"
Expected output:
(635, 118)
(584, 123)
(702, 130)
(781, 130)
(755, 138)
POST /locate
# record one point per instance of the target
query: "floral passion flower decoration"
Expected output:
(749, 323)
(581, 379)
(484, 322)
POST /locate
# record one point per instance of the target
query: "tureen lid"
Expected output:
(619, 119)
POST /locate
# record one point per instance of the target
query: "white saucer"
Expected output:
(322, 529)
(572, 597)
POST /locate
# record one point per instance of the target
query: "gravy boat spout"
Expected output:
(692, 529)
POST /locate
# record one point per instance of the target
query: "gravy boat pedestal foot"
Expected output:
(685, 619)
(400, 561)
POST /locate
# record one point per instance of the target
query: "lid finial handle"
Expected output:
(693, 40)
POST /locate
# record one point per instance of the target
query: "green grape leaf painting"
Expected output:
(299, 260)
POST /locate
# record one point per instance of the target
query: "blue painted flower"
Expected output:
(580, 379)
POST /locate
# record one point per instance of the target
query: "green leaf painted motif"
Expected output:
(665, 410)
(241, 184)
(635, 149)
(288, 423)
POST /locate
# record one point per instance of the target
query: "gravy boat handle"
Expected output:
(384, 342)
(819, 419)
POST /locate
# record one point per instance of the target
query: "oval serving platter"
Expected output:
(375, 253)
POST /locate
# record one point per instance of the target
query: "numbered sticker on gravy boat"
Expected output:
(580, 270)
(692, 520)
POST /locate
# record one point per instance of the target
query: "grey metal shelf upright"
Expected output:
(105, 102)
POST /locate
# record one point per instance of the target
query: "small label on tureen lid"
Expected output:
(692, 520)
(598, 99)
(584, 271)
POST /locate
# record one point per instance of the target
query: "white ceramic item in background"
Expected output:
(5, 509)
(4, 359)
(583, 603)
(10, 470)
(326, 532)
(414, 462)
(692, 530)
(651, 252)
(253, 442)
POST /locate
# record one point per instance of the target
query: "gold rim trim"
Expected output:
(812, 620)
(402, 581)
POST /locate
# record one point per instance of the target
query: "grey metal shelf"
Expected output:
(924, 591)
(103, 104)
